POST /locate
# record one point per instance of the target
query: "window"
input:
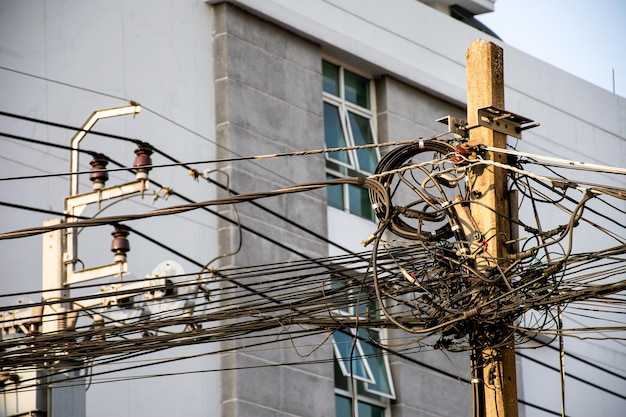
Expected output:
(349, 121)
(362, 373)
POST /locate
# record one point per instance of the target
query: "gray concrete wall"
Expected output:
(406, 112)
(268, 93)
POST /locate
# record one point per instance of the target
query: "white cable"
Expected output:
(567, 163)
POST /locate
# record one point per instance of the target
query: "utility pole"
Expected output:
(493, 369)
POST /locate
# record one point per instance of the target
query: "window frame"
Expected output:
(359, 398)
(365, 391)
(335, 167)
(357, 354)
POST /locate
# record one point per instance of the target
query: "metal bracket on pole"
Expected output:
(491, 117)
(504, 121)
(455, 125)
(77, 203)
(74, 277)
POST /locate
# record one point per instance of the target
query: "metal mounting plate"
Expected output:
(455, 125)
(503, 121)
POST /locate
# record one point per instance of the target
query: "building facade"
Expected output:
(219, 80)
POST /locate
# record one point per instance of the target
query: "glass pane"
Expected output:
(350, 357)
(363, 136)
(368, 306)
(357, 89)
(360, 202)
(378, 366)
(340, 294)
(334, 194)
(362, 305)
(369, 410)
(343, 406)
(333, 133)
(331, 78)
(376, 361)
(341, 381)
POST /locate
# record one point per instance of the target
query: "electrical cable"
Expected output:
(62, 83)
(174, 161)
(562, 163)
(283, 218)
(574, 377)
(532, 288)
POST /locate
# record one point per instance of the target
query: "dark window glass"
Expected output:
(360, 202)
(343, 406)
(363, 136)
(357, 89)
(350, 357)
(374, 357)
(334, 194)
(341, 381)
(333, 133)
(331, 78)
(345, 125)
(369, 410)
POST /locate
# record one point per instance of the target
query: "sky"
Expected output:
(586, 38)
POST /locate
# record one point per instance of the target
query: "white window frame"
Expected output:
(344, 106)
(358, 354)
(360, 398)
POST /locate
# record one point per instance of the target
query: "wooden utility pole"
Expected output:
(494, 378)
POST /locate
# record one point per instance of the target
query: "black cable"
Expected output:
(577, 378)
(538, 407)
(586, 362)
(69, 127)
(50, 144)
(39, 210)
(167, 156)
(564, 196)
(63, 83)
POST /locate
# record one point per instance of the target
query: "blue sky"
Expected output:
(584, 37)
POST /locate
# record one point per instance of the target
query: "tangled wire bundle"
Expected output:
(453, 294)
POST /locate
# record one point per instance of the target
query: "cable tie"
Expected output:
(445, 204)
(455, 227)
(408, 276)
(194, 173)
(376, 206)
(421, 144)
(266, 156)
(471, 313)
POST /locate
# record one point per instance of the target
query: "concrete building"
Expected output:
(221, 79)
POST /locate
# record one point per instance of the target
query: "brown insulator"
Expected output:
(143, 161)
(98, 176)
(463, 152)
(120, 244)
